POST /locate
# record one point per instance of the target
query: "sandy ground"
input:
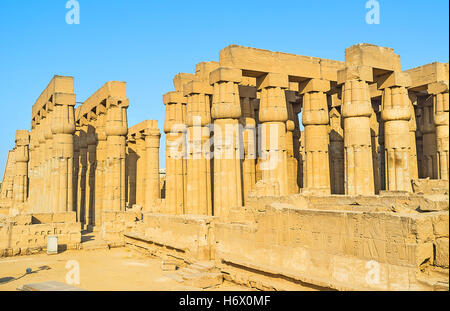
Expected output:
(110, 270)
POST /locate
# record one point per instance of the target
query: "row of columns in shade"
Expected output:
(198, 185)
(78, 164)
(107, 161)
(142, 165)
(50, 161)
(99, 152)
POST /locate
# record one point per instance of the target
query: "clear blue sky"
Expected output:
(145, 43)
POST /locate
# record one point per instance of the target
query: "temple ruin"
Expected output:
(283, 171)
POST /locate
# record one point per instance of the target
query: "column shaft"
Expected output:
(273, 116)
(176, 166)
(226, 112)
(336, 153)
(63, 129)
(152, 188)
(441, 120)
(116, 131)
(315, 120)
(356, 111)
(21, 158)
(396, 114)
(198, 149)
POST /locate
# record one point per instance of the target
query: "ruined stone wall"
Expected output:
(337, 249)
(302, 242)
(186, 237)
(27, 234)
(115, 224)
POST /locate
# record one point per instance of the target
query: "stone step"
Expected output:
(203, 279)
(94, 245)
(203, 266)
(187, 271)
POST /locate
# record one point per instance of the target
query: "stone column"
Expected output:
(258, 170)
(292, 163)
(356, 111)
(152, 189)
(32, 168)
(7, 185)
(90, 172)
(336, 153)
(21, 158)
(50, 175)
(141, 169)
(413, 164)
(441, 121)
(273, 116)
(41, 203)
(76, 169)
(302, 166)
(248, 141)
(315, 120)
(82, 171)
(226, 111)
(297, 108)
(116, 130)
(429, 139)
(419, 139)
(396, 114)
(63, 129)
(198, 118)
(175, 129)
(100, 167)
(130, 170)
(374, 132)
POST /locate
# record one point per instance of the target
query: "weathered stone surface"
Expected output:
(357, 200)
(442, 254)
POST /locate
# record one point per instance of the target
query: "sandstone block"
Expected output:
(314, 85)
(273, 80)
(362, 73)
(442, 253)
(441, 225)
(173, 98)
(203, 280)
(438, 87)
(181, 79)
(197, 87)
(372, 56)
(42, 218)
(394, 79)
(225, 74)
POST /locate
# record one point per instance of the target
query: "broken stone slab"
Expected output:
(430, 186)
(442, 253)
(203, 266)
(203, 280)
(438, 202)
